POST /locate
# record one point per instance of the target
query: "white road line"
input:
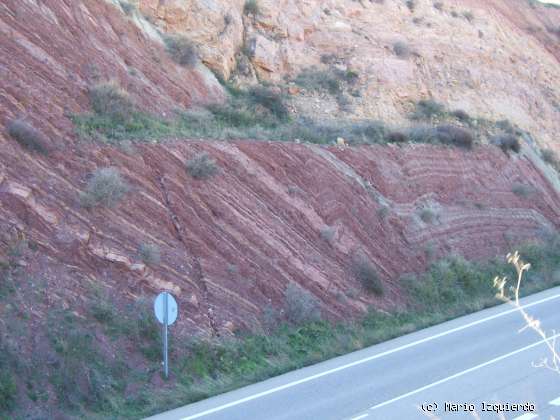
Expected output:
(363, 416)
(526, 416)
(464, 372)
(361, 361)
(555, 402)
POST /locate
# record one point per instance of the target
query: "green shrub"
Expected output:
(318, 80)
(507, 142)
(508, 127)
(422, 134)
(397, 137)
(202, 166)
(549, 156)
(272, 101)
(468, 15)
(251, 7)
(427, 109)
(438, 5)
(401, 49)
(449, 283)
(103, 312)
(366, 132)
(8, 390)
(328, 233)
(109, 99)
(105, 187)
(149, 253)
(270, 317)
(182, 50)
(328, 58)
(300, 306)
(427, 215)
(27, 136)
(127, 7)
(523, 190)
(144, 330)
(453, 135)
(351, 76)
(235, 115)
(366, 273)
(462, 115)
(411, 4)
(383, 212)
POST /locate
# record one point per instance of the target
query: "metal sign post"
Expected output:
(165, 321)
(165, 308)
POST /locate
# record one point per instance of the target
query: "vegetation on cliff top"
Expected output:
(263, 113)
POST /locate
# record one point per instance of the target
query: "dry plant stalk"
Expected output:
(530, 322)
(513, 298)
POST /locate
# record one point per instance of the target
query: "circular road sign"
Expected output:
(159, 305)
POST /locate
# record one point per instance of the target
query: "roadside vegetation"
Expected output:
(84, 372)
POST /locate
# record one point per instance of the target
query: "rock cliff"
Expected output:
(276, 212)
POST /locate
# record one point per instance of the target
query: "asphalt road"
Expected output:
(480, 359)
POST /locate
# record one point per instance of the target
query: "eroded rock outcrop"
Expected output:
(275, 213)
(496, 58)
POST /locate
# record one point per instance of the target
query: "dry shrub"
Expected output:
(105, 187)
(27, 136)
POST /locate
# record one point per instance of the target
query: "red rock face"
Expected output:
(231, 244)
(50, 53)
(276, 212)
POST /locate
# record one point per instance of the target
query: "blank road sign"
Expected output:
(159, 305)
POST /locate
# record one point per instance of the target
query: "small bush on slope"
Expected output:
(27, 135)
(149, 253)
(401, 49)
(300, 306)
(110, 100)
(202, 166)
(105, 187)
(182, 50)
(427, 109)
(367, 274)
